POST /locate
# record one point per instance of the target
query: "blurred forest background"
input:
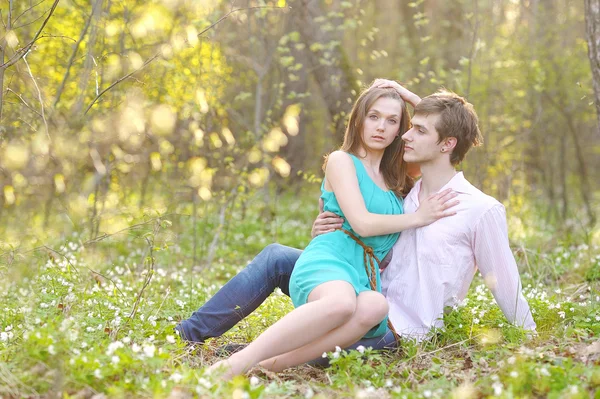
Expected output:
(112, 111)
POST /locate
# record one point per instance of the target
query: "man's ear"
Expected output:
(449, 144)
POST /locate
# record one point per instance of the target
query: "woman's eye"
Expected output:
(393, 121)
(373, 116)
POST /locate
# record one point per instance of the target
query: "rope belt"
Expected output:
(369, 261)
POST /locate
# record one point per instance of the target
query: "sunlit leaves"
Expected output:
(15, 156)
(254, 155)
(228, 136)
(152, 22)
(281, 166)
(291, 119)
(59, 183)
(274, 140)
(9, 195)
(258, 177)
(199, 174)
(11, 39)
(155, 161)
(163, 120)
(201, 101)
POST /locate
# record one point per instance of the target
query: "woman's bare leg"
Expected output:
(371, 309)
(330, 305)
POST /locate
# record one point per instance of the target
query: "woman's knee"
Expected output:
(371, 308)
(342, 309)
(336, 298)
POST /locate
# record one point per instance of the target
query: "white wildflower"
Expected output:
(254, 381)
(176, 377)
(573, 389)
(113, 346)
(115, 359)
(360, 348)
(324, 355)
(149, 350)
(51, 350)
(136, 348)
(497, 387)
(338, 349)
(170, 339)
(427, 393)
(514, 374)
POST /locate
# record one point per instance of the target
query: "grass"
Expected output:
(85, 318)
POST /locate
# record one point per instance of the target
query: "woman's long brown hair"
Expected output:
(393, 168)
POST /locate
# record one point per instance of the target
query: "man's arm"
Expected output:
(498, 267)
(326, 222)
(406, 94)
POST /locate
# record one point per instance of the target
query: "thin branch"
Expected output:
(149, 274)
(72, 59)
(29, 9)
(23, 51)
(41, 100)
(30, 22)
(224, 17)
(148, 61)
(8, 89)
(155, 56)
(57, 37)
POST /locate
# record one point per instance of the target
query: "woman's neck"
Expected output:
(371, 159)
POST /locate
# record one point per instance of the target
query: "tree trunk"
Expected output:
(329, 63)
(89, 60)
(3, 46)
(592, 22)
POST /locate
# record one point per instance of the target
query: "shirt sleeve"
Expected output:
(498, 267)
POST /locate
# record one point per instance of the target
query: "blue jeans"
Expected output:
(271, 269)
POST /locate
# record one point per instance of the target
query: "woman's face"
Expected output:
(382, 124)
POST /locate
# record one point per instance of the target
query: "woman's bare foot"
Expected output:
(231, 367)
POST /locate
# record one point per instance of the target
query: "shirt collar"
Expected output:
(458, 183)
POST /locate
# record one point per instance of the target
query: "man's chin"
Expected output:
(409, 158)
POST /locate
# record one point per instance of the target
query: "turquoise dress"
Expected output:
(336, 256)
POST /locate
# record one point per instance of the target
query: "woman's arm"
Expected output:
(340, 175)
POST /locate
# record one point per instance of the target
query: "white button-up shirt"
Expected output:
(432, 267)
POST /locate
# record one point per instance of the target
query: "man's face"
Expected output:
(421, 141)
(382, 123)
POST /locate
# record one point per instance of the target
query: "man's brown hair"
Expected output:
(457, 119)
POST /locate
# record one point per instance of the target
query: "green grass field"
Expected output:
(85, 319)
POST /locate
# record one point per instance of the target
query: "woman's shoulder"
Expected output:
(340, 158)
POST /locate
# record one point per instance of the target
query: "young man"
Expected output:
(430, 268)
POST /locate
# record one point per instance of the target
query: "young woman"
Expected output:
(331, 285)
